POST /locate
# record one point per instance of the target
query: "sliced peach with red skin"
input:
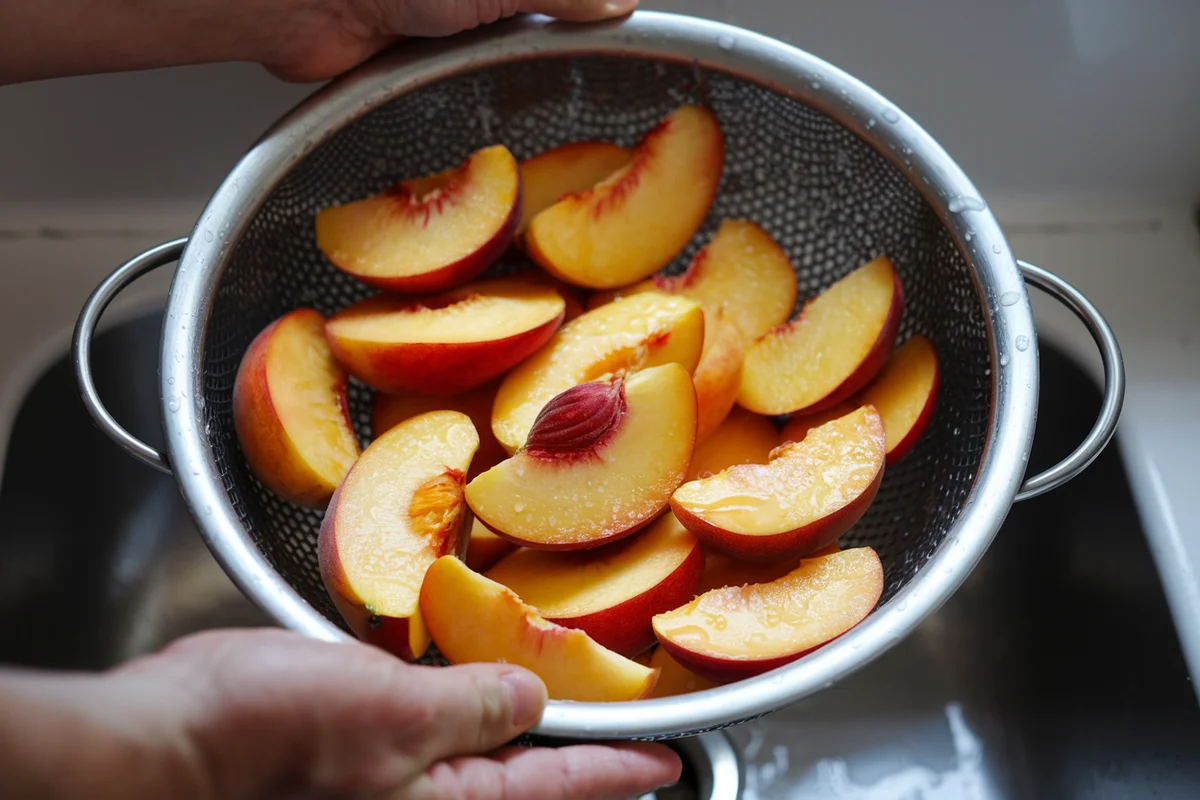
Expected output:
(837, 345)
(601, 462)
(905, 394)
(389, 410)
(722, 570)
(399, 509)
(743, 270)
(565, 170)
(620, 338)
(742, 631)
(610, 593)
(474, 619)
(674, 678)
(290, 410)
(642, 216)
(428, 234)
(448, 343)
(718, 376)
(742, 438)
(798, 426)
(803, 499)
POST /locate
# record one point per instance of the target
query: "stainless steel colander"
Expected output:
(829, 167)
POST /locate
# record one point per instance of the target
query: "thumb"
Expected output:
(475, 708)
(579, 10)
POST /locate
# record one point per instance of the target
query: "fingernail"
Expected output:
(615, 7)
(527, 694)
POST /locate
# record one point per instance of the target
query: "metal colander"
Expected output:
(832, 170)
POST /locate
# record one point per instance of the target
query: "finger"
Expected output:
(474, 708)
(579, 10)
(581, 772)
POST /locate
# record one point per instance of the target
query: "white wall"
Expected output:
(1085, 96)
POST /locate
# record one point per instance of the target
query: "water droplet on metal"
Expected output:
(891, 115)
(960, 204)
(969, 235)
(726, 42)
(871, 123)
(170, 381)
(1022, 343)
(1009, 299)
(1004, 360)
(173, 404)
(996, 249)
(816, 84)
(208, 237)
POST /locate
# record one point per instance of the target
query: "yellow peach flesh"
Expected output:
(632, 334)
(474, 619)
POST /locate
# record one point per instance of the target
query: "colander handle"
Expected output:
(1114, 383)
(81, 348)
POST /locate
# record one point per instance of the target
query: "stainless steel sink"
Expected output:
(1054, 672)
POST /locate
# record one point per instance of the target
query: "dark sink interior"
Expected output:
(1054, 672)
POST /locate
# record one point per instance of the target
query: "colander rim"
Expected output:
(713, 46)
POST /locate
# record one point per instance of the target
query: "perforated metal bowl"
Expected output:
(829, 167)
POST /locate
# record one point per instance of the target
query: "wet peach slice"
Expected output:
(742, 631)
(674, 678)
(610, 593)
(428, 234)
(567, 169)
(389, 410)
(836, 346)
(474, 619)
(621, 338)
(798, 426)
(718, 376)
(743, 438)
(289, 410)
(722, 570)
(400, 508)
(600, 463)
(642, 216)
(449, 343)
(803, 499)
(742, 270)
(905, 394)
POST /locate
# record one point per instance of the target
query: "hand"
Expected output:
(267, 713)
(296, 39)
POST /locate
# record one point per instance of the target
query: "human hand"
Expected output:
(298, 40)
(268, 714)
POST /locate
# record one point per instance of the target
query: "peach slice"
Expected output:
(601, 462)
(389, 410)
(428, 234)
(905, 394)
(721, 570)
(603, 298)
(643, 331)
(640, 217)
(573, 296)
(798, 427)
(290, 411)
(742, 631)
(834, 348)
(485, 548)
(474, 619)
(612, 592)
(743, 438)
(400, 508)
(718, 376)
(448, 343)
(568, 169)
(803, 499)
(674, 678)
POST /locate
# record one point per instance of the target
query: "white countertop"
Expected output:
(1137, 260)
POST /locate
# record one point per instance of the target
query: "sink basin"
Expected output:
(1053, 672)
